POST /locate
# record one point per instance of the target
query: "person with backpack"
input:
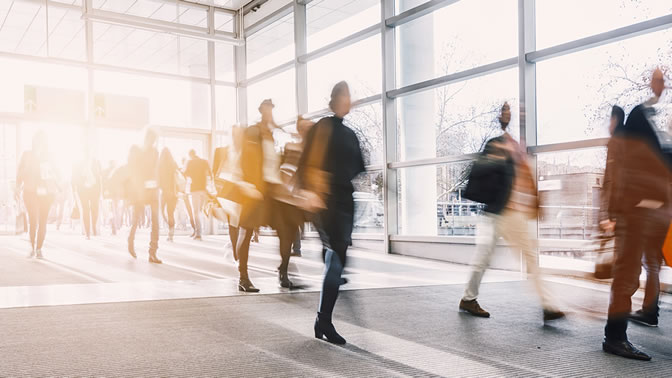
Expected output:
(502, 179)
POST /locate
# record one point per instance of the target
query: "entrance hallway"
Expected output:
(78, 271)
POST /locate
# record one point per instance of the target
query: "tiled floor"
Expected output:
(78, 271)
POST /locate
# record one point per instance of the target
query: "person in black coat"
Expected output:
(332, 158)
(638, 204)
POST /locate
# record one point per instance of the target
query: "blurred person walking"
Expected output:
(87, 188)
(332, 158)
(168, 171)
(638, 209)
(144, 191)
(198, 170)
(290, 162)
(502, 180)
(38, 178)
(260, 170)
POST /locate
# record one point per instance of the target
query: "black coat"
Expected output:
(491, 177)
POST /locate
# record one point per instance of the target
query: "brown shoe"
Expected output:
(473, 308)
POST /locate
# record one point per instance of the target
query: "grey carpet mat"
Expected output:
(391, 332)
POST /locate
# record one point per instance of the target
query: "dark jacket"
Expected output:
(637, 167)
(491, 177)
(332, 148)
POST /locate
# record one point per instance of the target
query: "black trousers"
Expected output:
(38, 212)
(138, 212)
(335, 228)
(639, 233)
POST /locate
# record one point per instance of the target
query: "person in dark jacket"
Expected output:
(638, 204)
(38, 178)
(87, 184)
(504, 182)
(332, 158)
(260, 168)
(145, 192)
(168, 184)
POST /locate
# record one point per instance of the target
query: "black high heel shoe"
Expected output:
(245, 285)
(326, 329)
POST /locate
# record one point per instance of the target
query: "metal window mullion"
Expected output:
(389, 110)
(240, 66)
(340, 44)
(644, 27)
(527, 87)
(421, 10)
(268, 20)
(300, 49)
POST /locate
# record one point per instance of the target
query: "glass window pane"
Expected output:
(280, 88)
(331, 20)
(177, 103)
(67, 34)
(224, 68)
(226, 107)
(224, 21)
(170, 11)
(24, 29)
(16, 74)
(270, 47)
(404, 5)
(368, 196)
(431, 203)
(367, 122)
(574, 99)
(590, 17)
(451, 40)
(142, 49)
(570, 184)
(458, 118)
(359, 64)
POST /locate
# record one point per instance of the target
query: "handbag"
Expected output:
(605, 258)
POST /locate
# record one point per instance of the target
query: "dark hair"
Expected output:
(339, 89)
(617, 111)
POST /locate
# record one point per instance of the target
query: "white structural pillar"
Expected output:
(418, 137)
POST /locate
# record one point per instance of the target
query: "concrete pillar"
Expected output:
(418, 136)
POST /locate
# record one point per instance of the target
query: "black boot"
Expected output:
(324, 327)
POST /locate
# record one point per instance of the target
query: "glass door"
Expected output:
(10, 207)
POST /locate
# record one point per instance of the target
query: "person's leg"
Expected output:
(198, 202)
(154, 237)
(296, 245)
(486, 242)
(626, 270)
(286, 235)
(43, 215)
(190, 212)
(84, 199)
(136, 211)
(516, 230)
(171, 204)
(243, 250)
(32, 208)
(233, 236)
(329, 294)
(652, 261)
(94, 203)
